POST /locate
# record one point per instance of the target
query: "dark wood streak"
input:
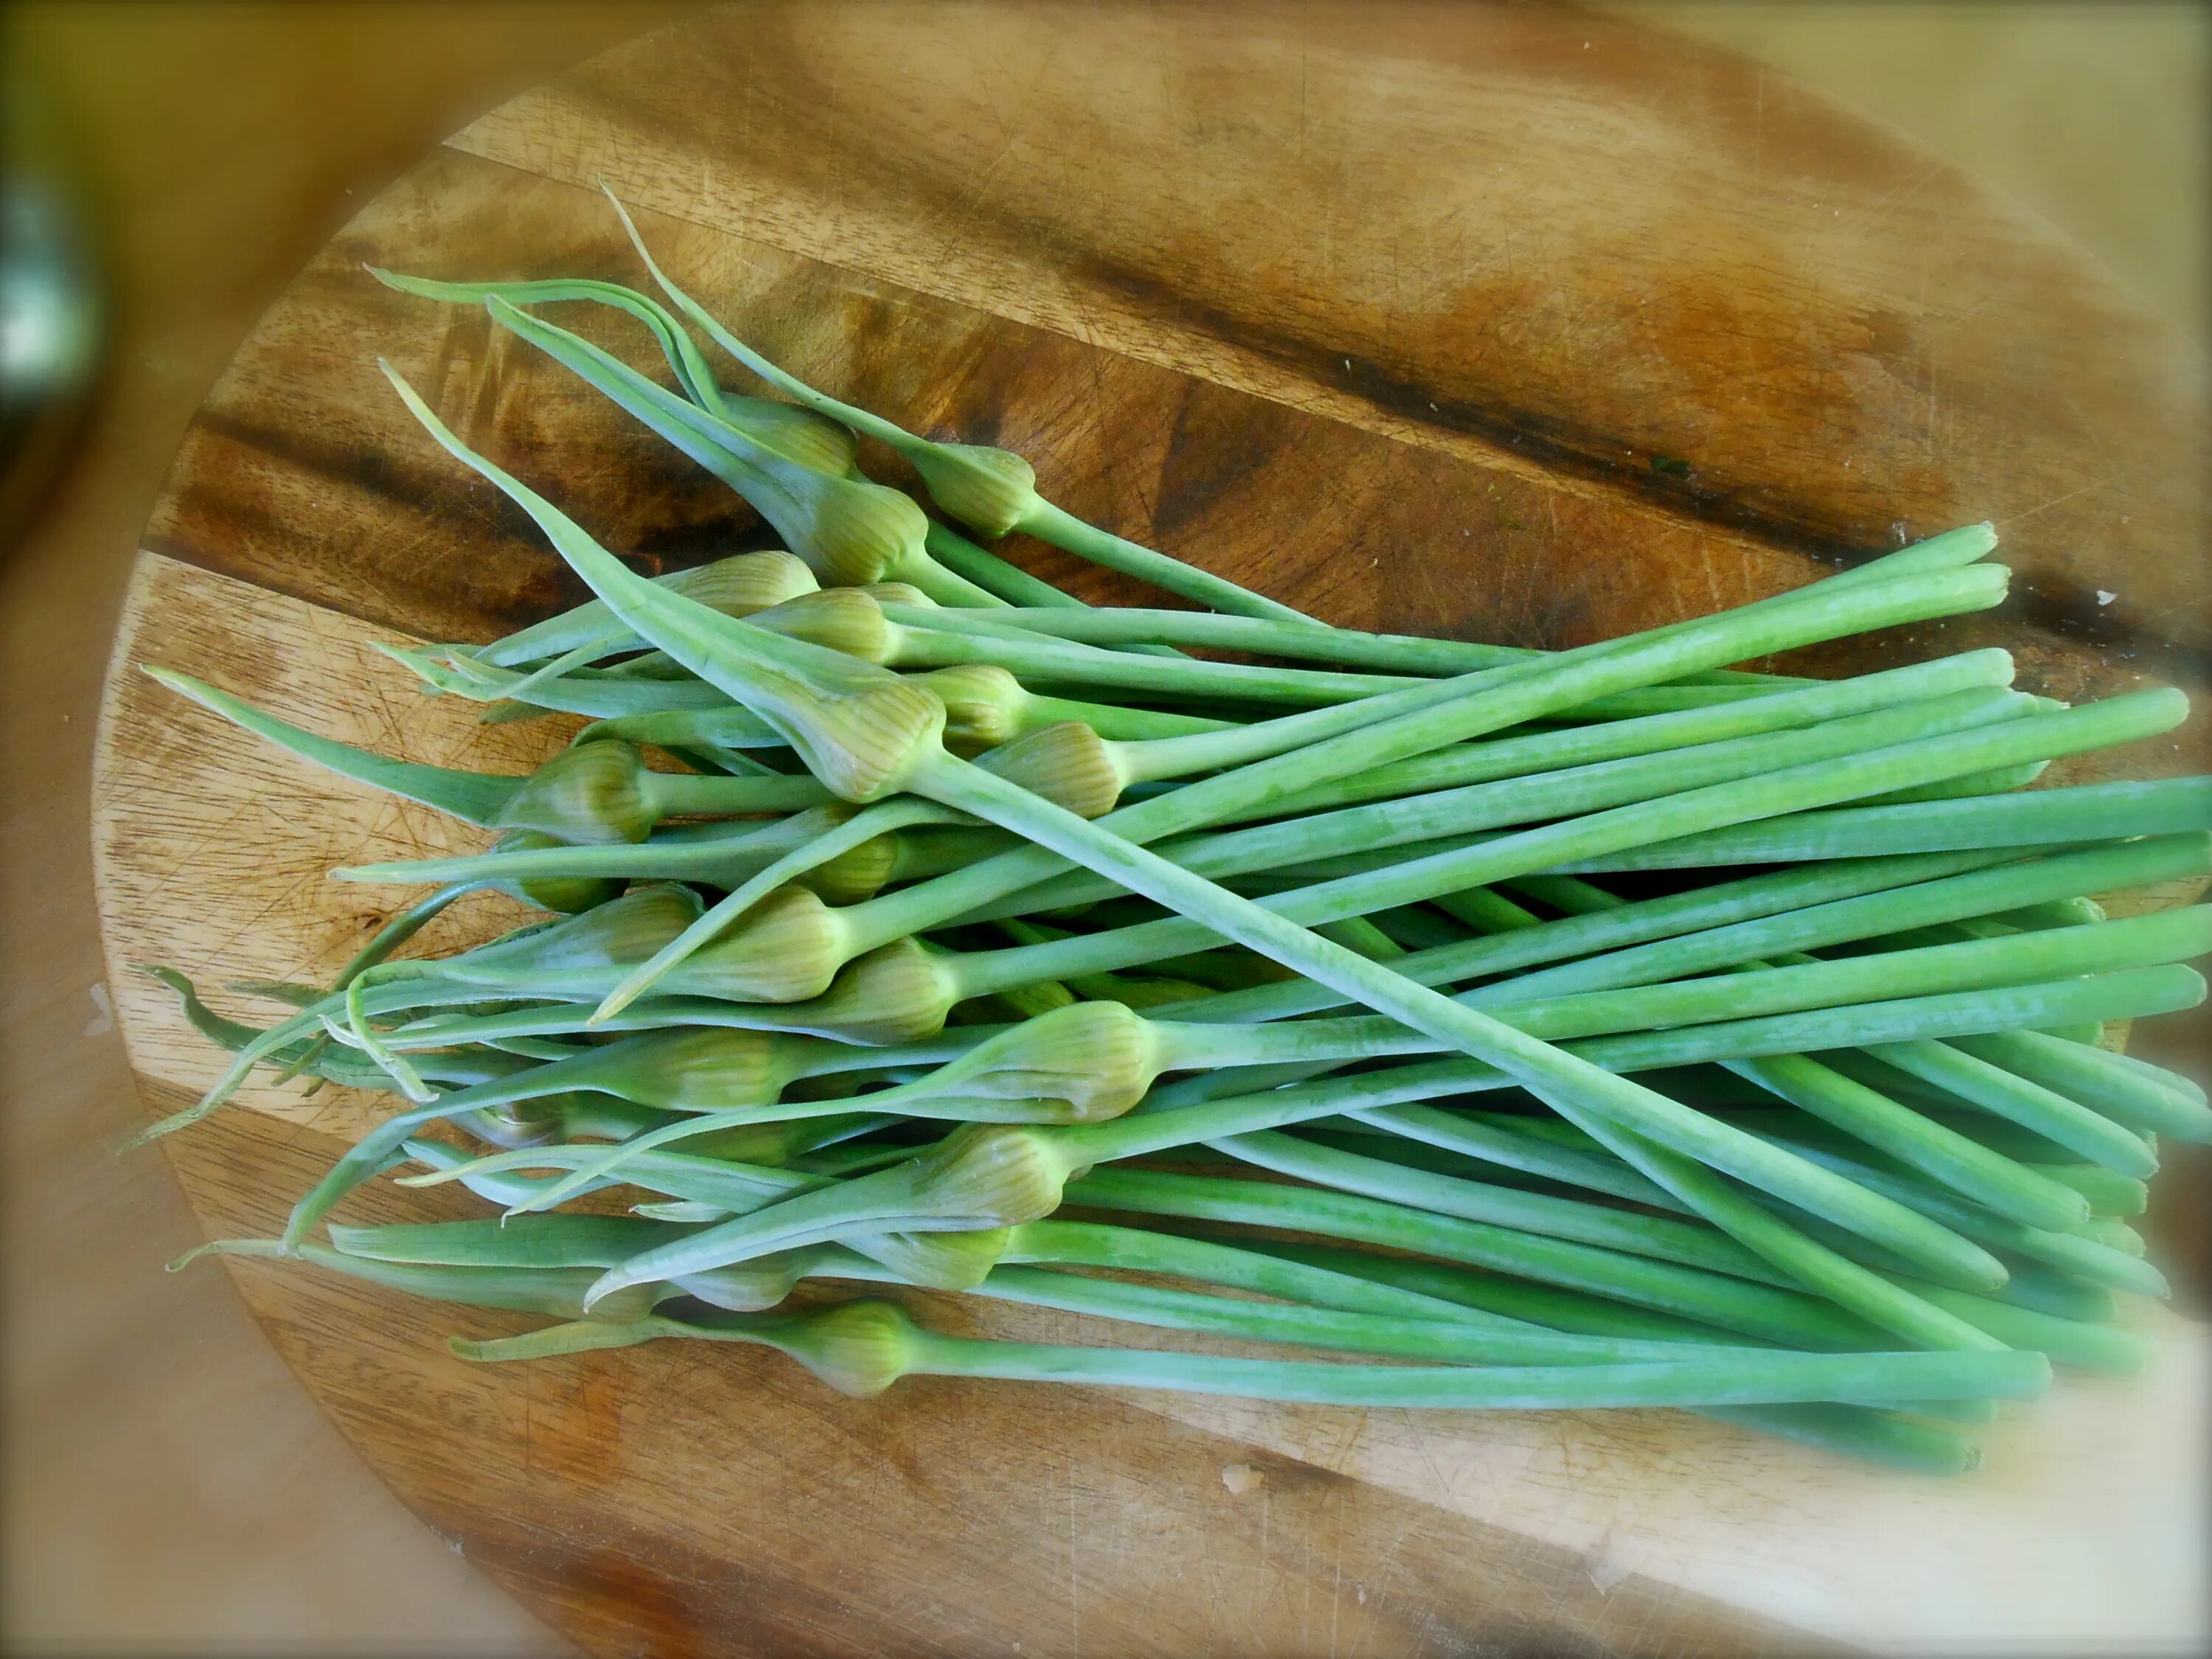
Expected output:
(780, 81)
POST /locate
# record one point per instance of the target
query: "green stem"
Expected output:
(729, 853)
(1846, 717)
(2084, 813)
(2143, 1098)
(1966, 1075)
(862, 1348)
(1732, 1304)
(942, 468)
(870, 822)
(1035, 658)
(2093, 726)
(1623, 1231)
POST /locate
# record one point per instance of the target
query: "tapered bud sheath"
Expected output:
(938, 1261)
(739, 585)
(843, 619)
(808, 438)
(1067, 763)
(1097, 1057)
(593, 793)
(562, 804)
(678, 1068)
(628, 929)
(858, 1348)
(859, 728)
(849, 531)
(983, 706)
(567, 894)
(556, 1291)
(785, 949)
(981, 1176)
(993, 491)
(541, 869)
(894, 994)
(572, 1114)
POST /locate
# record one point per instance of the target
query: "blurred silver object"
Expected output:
(49, 308)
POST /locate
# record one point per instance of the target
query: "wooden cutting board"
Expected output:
(1510, 322)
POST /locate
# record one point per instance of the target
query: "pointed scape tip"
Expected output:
(212, 1247)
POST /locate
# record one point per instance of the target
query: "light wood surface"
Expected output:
(1151, 287)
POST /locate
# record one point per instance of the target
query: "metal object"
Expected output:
(50, 312)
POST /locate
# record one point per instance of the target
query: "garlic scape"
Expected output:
(1739, 774)
(861, 1348)
(853, 622)
(555, 1291)
(623, 931)
(848, 530)
(1432, 720)
(849, 868)
(985, 706)
(1700, 1020)
(1327, 1308)
(669, 1070)
(729, 654)
(515, 694)
(810, 439)
(975, 908)
(806, 437)
(598, 792)
(992, 491)
(737, 586)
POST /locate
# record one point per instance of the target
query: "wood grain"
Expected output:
(1356, 307)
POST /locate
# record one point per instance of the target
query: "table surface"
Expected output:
(1353, 421)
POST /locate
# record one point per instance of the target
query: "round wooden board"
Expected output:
(1505, 322)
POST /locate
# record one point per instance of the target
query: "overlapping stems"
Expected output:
(1811, 1147)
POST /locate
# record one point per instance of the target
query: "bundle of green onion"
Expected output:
(1547, 1031)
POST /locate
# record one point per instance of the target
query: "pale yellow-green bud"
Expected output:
(897, 593)
(1098, 1057)
(861, 743)
(745, 583)
(843, 619)
(1066, 763)
(854, 874)
(567, 894)
(858, 1348)
(785, 949)
(991, 490)
(992, 1174)
(695, 1068)
(747, 1286)
(983, 706)
(814, 441)
(773, 1143)
(896, 994)
(851, 532)
(943, 1261)
(592, 794)
(627, 931)
(1016, 1002)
